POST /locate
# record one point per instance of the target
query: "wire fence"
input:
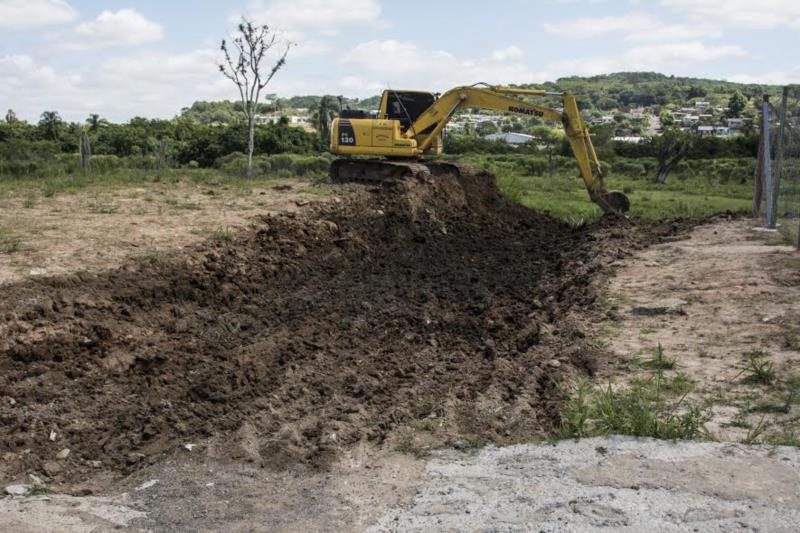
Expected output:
(781, 204)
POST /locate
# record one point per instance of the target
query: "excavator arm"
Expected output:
(437, 116)
(408, 132)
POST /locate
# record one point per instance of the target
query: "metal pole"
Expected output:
(758, 180)
(779, 158)
(769, 216)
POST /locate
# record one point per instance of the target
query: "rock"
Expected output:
(146, 485)
(671, 306)
(63, 454)
(17, 490)
(53, 468)
(134, 458)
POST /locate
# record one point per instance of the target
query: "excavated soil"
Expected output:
(308, 334)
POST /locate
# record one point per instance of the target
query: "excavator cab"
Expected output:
(405, 106)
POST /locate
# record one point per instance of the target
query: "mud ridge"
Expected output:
(308, 334)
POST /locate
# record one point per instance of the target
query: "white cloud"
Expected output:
(511, 52)
(764, 14)
(661, 57)
(788, 76)
(153, 85)
(126, 27)
(674, 32)
(677, 53)
(28, 14)
(639, 27)
(299, 18)
(405, 64)
(599, 26)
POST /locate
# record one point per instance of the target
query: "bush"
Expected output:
(628, 168)
(310, 166)
(281, 162)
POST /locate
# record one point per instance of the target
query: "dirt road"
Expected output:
(737, 293)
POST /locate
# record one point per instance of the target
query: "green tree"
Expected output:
(486, 128)
(94, 122)
(550, 138)
(49, 125)
(666, 118)
(736, 104)
(11, 117)
(322, 117)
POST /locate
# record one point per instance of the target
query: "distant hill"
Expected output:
(595, 93)
(625, 89)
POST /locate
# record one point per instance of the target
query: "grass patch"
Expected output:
(564, 195)
(647, 408)
(177, 204)
(65, 183)
(785, 438)
(156, 259)
(9, 243)
(408, 444)
(102, 208)
(39, 489)
(222, 235)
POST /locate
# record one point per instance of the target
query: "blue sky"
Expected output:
(127, 58)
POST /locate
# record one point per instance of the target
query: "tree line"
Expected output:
(27, 148)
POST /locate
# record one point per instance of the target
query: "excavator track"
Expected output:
(376, 171)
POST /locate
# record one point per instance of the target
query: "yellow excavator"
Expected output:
(410, 125)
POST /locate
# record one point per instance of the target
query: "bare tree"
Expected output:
(671, 148)
(243, 65)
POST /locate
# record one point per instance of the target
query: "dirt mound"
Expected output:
(305, 335)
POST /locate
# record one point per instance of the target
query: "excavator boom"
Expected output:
(409, 125)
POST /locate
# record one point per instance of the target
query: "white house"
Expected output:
(702, 105)
(690, 120)
(511, 138)
(705, 131)
(735, 123)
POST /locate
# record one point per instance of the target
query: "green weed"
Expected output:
(222, 235)
(9, 243)
(644, 409)
(659, 361)
(758, 370)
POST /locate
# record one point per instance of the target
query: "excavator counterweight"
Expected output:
(410, 125)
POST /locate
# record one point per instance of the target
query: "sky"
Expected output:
(126, 58)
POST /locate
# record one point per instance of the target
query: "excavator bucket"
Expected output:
(615, 201)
